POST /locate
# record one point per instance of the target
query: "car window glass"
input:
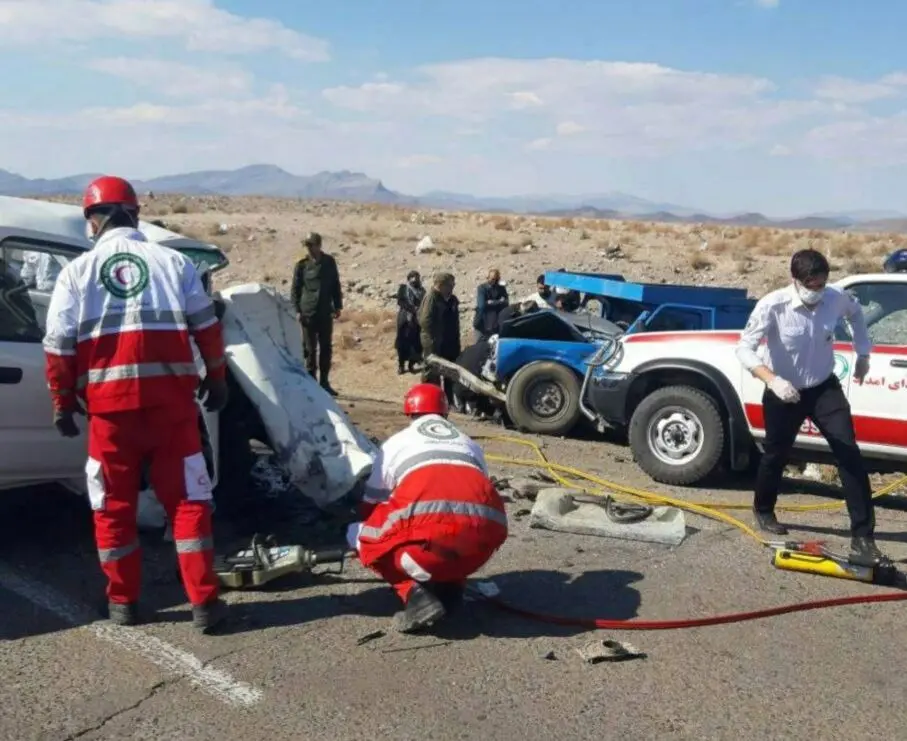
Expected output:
(28, 271)
(885, 308)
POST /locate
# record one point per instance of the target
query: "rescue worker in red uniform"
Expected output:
(432, 516)
(118, 341)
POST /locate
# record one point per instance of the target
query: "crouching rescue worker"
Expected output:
(432, 515)
(118, 337)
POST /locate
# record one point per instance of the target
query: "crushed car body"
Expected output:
(323, 454)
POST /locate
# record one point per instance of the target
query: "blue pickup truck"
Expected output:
(542, 364)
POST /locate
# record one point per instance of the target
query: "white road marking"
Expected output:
(165, 655)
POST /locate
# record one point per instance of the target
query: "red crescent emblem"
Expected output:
(118, 274)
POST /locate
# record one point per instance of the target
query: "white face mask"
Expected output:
(808, 296)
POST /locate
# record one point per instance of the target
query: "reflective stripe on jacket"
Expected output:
(119, 325)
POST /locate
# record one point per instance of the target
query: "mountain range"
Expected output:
(270, 180)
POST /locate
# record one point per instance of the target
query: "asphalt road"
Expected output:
(292, 667)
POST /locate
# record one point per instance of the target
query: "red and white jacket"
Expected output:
(119, 326)
(428, 482)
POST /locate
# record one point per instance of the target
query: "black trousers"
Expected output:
(317, 343)
(827, 406)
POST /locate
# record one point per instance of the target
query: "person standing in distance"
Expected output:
(118, 335)
(798, 324)
(318, 299)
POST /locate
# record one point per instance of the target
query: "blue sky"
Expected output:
(784, 107)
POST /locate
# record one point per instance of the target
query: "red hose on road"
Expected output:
(734, 617)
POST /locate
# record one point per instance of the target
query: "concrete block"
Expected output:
(555, 509)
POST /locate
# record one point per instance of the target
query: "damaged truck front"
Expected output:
(544, 365)
(273, 399)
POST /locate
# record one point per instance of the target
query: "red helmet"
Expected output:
(425, 398)
(109, 191)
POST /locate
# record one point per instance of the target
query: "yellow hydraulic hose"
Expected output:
(568, 476)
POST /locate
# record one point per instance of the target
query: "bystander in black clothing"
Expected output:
(408, 343)
(491, 299)
(439, 324)
(318, 298)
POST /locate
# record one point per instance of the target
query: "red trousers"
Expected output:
(409, 564)
(168, 439)
(442, 524)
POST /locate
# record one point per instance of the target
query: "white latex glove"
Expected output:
(861, 368)
(784, 390)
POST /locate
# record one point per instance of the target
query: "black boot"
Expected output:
(127, 613)
(865, 552)
(412, 366)
(326, 385)
(767, 522)
(209, 616)
(400, 369)
(422, 610)
(449, 593)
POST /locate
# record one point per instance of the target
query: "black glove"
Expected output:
(65, 423)
(214, 393)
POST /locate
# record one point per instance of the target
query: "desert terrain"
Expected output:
(314, 657)
(375, 247)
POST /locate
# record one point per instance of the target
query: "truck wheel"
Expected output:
(543, 397)
(677, 436)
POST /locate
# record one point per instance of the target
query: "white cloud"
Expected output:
(768, 3)
(537, 145)
(846, 90)
(569, 128)
(199, 24)
(867, 141)
(779, 150)
(174, 79)
(628, 109)
(488, 86)
(212, 113)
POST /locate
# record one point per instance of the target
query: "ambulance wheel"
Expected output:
(543, 397)
(677, 435)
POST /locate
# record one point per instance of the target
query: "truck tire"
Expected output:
(677, 435)
(543, 397)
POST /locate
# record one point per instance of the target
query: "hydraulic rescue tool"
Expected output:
(264, 561)
(815, 558)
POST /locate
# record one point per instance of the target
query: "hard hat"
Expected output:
(425, 398)
(109, 191)
(896, 262)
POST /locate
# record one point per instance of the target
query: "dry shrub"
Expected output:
(880, 249)
(346, 341)
(752, 237)
(743, 266)
(181, 208)
(778, 244)
(350, 233)
(847, 247)
(502, 223)
(700, 261)
(563, 224)
(719, 247)
(861, 265)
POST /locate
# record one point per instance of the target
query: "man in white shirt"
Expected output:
(797, 366)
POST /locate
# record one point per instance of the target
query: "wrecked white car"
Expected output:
(273, 399)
